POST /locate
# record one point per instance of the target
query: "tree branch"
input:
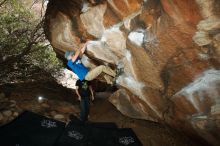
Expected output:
(2, 3)
(33, 37)
(15, 58)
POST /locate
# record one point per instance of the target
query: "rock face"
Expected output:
(169, 50)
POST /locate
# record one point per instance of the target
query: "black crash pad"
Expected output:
(127, 137)
(30, 129)
(97, 134)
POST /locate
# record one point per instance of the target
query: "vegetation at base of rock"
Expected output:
(24, 52)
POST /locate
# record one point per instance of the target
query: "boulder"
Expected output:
(168, 50)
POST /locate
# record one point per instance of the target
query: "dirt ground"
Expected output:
(149, 133)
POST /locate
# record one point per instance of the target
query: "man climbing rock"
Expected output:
(84, 91)
(75, 64)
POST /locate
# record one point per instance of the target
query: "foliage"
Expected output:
(23, 47)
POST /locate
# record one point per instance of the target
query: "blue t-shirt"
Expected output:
(78, 68)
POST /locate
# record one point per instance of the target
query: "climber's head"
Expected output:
(68, 54)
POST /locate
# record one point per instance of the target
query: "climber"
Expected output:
(75, 64)
(84, 91)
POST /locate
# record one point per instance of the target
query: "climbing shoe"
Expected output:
(119, 71)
